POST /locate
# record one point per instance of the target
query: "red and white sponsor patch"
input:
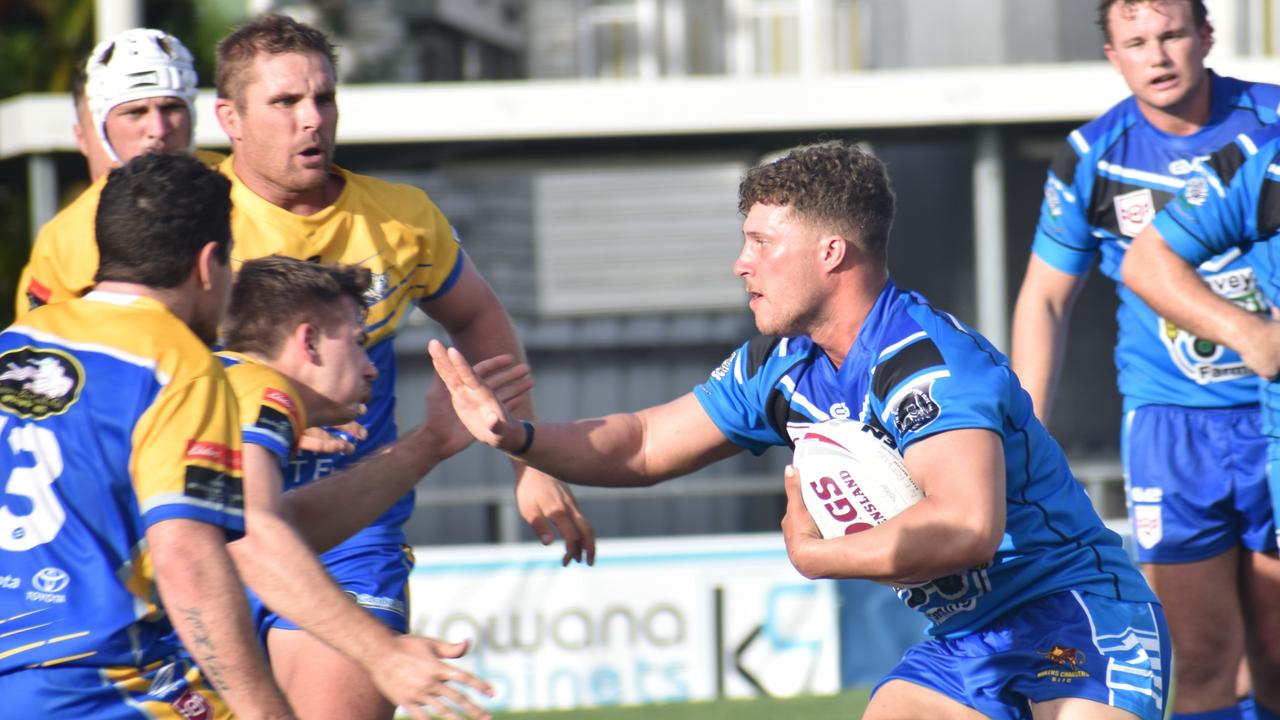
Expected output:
(280, 398)
(193, 706)
(1134, 210)
(1149, 525)
(212, 452)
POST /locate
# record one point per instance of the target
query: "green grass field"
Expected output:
(814, 707)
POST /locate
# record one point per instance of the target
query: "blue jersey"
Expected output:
(1233, 204)
(912, 372)
(1113, 176)
(113, 417)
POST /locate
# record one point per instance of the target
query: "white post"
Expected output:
(989, 238)
(115, 16)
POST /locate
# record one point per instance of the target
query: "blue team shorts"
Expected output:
(1195, 482)
(1065, 645)
(376, 577)
(169, 688)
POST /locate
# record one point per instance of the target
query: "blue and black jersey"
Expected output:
(1112, 176)
(912, 372)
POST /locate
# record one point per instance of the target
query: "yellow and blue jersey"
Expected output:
(396, 232)
(1111, 177)
(271, 414)
(913, 372)
(64, 257)
(114, 416)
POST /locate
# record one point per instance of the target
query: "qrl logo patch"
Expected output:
(1134, 211)
(1148, 526)
(192, 706)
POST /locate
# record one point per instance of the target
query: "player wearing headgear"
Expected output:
(276, 81)
(1233, 204)
(1036, 608)
(134, 94)
(1191, 444)
(120, 455)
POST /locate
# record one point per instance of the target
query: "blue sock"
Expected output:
(1226, 713)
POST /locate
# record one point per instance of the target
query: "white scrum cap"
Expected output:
(136, 64)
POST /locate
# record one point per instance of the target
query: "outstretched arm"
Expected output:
(365, 490)
(205, 602)
(279, 566)
(1171, 286)
(1040, 319)
(621, 450)
(476, 322)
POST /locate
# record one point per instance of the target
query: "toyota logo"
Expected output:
(50, 580)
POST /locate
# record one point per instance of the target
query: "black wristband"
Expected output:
(528, 438)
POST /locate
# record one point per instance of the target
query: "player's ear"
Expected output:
(1206, 37)
(832, 250)
(307, 336)
(1110, 52)
(228, 117)
(205, 261)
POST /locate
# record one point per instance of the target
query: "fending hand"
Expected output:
(476, 405)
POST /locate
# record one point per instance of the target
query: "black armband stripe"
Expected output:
(910, 360)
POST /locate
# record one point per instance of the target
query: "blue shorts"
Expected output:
(1065, 645)
(1195, 482)
(376, 577)
(170, 688)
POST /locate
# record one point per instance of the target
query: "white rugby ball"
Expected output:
(851, 480)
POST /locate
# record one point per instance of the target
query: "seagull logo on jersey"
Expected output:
(1134, 210)
(37, 383)
(1195, 192)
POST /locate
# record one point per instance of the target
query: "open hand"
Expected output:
(415, 677)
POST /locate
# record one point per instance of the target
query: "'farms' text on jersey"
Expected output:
(113, 417)
(913, 372)
(396, 232)
(1234, 204)
(1113, 176)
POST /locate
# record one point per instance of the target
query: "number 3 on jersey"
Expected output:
(30, 513)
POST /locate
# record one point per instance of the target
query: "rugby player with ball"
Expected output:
(1037, 611)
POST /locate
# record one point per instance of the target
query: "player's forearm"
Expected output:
(1039, 341)
(278, 565)
(928, 540)
(607, 451)
(329, 510)
(205, 602)
(1175, 290)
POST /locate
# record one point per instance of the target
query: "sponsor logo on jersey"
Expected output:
(47, 585)
(10, 582)
(1146, 494)
(1200, 360)
(214, 487)
(1195, 192)
(1186, 167)
(720, 372)
(839, 410)
(213, 453)
(281, 398)
(1148, 525)
(1053, 199)
(1134, 211)
(916, 410)
(192, 706)
(1066, 663)
(37, 294)
(375, 602)
(38, 383)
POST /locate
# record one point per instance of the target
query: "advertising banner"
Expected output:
(656, 620)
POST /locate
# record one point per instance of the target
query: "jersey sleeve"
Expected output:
(1217, 208)
(64, 257)
(917, 392)
(736, 396)
(272, 420)
(1063, 237)
(186, 455)
(440, 256)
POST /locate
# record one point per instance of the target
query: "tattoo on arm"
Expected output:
(203, 650)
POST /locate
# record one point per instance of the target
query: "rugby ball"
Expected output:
(850, 479)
